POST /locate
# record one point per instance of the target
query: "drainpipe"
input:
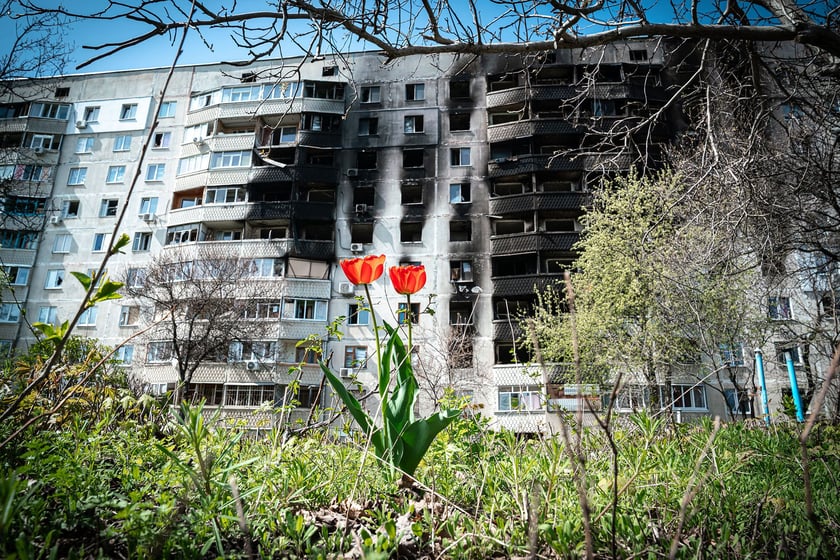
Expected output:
(794, 387)
(765, 406)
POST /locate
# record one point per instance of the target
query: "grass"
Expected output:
(127, 489)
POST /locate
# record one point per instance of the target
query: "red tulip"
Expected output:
(408, 279)
(364, 270)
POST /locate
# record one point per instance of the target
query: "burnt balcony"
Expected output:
(529, 202)
(532, 127)
(262, 248)
(528, 242)
(250, 109)
(507, 329)
(531, 163)
(238, 212)
(520, 94)
(319, 139)
(301, 173)
(525, 284)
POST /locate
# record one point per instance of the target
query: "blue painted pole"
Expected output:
(794, 386)
(765, 403)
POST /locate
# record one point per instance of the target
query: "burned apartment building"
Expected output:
(478, 168)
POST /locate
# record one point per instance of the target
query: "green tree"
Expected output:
(654, 289)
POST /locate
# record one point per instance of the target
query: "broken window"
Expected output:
(413, 157)
(460, 231)
(411, 232)
(412, 193)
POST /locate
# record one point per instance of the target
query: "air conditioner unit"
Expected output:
(81, 124)
(345, 288)
(345, 372)
(55, 220)
(352, 172)
(361, 208)
(252, 365)
(357, 247)
(148, 217)
(39, 150)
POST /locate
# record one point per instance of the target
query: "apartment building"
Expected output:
(478, 168)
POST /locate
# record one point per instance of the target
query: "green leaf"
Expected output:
(50, 332)
(419, 435)
(353, 406)
(84, 279)
(107, 290)
(120, 243)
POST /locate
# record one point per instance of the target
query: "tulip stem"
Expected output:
(409, 316)
(379, 365)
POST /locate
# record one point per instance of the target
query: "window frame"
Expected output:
(77, 176)
(115, 175)
(128, 112)
(155, 172)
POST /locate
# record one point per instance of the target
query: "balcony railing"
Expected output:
(525, 284)
(539, 201)
(530, 128)
(531, 163)
(519, 243)
(250, 109)
(262, 248)
(521, 93)
(305, 173)
(245, 211)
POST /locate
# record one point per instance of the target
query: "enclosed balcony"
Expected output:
(520, 94)
(266, 107)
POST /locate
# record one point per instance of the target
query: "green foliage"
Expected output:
(127, 489)
(402, 440)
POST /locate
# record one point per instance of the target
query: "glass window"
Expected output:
(124, 353)
(161, 139)
(413, 124)
(77, 176)
(9, 313)
(779, 308)
(231, 159)
(17, 275)
(128, 112)
(100, 242)
(369, 94)
(732, 354)
(70, 209)
(368, 126)
(520, 399)
(155, 172)
(122, 143)
(460, 157)
(224, 195)
(167, 109)
(148, 205)
(91, 114)
(357, 315)
(55, 278)
(739, 402)
(459, 192)
(415, 92)
(355, 356)
(129, 315)
(116, 174)
(403, 313)
(63, 243)
(48, 315)
(308, 309)
(84, 145)
(688, 397)
(142, 241)
(88, 317)
(108, 207)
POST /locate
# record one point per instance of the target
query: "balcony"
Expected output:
(25, 257)
(319, 139)
(218, 143)
(531, 127)
(262, 248)
(525, 284)
(520, 94)
(301, 173)
(539, 201)
(250, 109)
(504, 329)
(212, 178)
(528, 242)
(531, 163)
(245, 211)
